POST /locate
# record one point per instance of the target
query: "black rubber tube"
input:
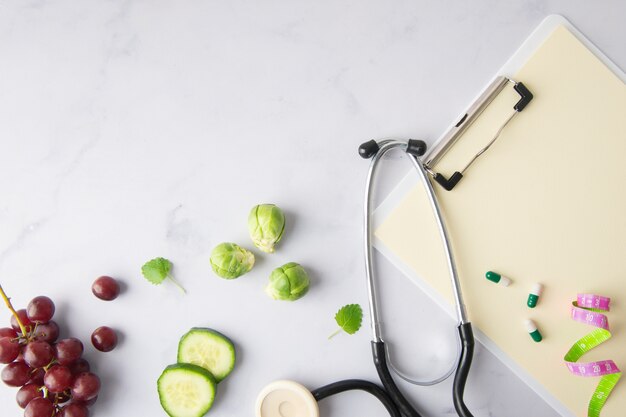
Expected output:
(380, 360)
(357, 384)
(462, 371)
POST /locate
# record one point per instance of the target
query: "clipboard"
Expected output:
(544, 204)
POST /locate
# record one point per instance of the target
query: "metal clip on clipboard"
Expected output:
(452, 135)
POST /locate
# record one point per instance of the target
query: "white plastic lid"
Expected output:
(286, 399)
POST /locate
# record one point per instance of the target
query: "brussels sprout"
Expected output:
(266, 224)
(289, 282)
(230, 261)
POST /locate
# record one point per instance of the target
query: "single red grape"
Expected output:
(85, 387)
(38, 354)
(8, 332)
(36, 376)
(15, 374)
(58, 378)
(39, 407)
(23, 318)
(48, 332)
(105, 288)
(104, 339)
(79, 366)
(74, 410)
(27, 393)
(40, 309)
(9, 349)
(68, 350)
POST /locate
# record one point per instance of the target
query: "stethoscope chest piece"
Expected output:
(286, 399)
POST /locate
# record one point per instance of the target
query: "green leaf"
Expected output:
(156, 270)
(349, 318)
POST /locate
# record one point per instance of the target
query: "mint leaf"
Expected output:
(349, 319)
(157, 269)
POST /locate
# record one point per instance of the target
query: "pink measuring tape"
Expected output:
(587, 309)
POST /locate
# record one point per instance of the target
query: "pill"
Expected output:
(533, 297)
(532, 330)
(497, 278)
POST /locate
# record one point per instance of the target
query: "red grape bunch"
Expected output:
(53, 378)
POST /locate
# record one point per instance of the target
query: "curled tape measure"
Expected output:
(587, 309)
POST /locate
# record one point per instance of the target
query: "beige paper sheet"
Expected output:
(547, 204)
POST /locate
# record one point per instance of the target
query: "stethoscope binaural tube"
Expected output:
(414, 149)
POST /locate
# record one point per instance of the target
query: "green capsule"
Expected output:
(533, 297)
(497, 278)
(533, 331)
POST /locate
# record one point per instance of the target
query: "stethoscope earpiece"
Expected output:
(368, 149)
(416, 147)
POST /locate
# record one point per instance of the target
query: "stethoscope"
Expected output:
(290, 399)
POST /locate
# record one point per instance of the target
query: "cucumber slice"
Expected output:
(209, 349)
(186, 390)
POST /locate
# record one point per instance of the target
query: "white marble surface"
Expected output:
(134, 129)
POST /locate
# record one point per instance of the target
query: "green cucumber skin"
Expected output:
(218, 335)
(188, 367)
(209, 330)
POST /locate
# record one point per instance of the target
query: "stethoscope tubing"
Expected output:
(390, 396)
(358, 384)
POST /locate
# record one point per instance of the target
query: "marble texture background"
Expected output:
(131, 129)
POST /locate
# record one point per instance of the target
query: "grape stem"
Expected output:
(7, 301)
(180, 287)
